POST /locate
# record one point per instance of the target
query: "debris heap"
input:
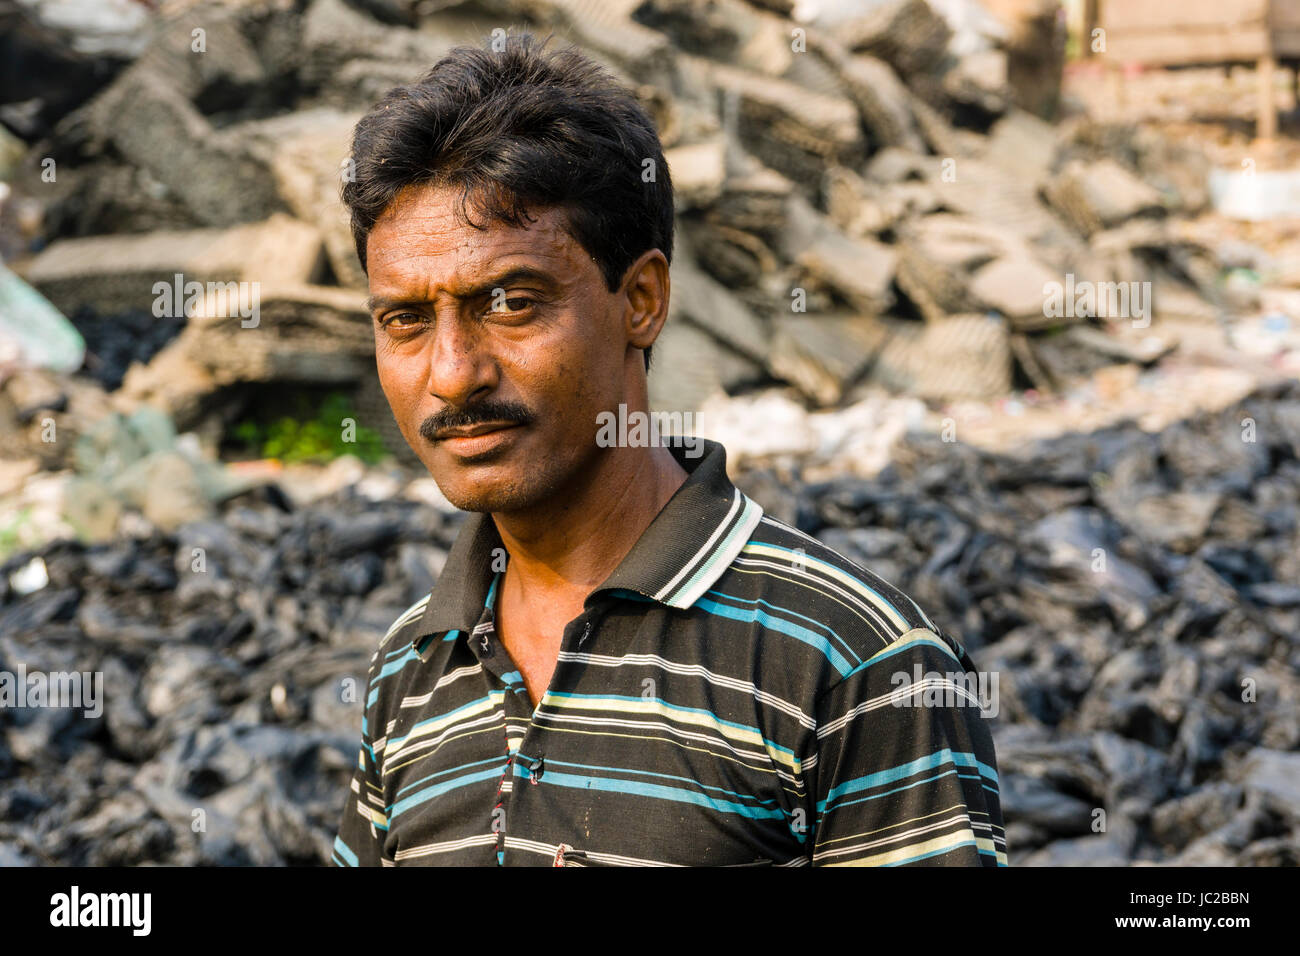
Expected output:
(862, 200)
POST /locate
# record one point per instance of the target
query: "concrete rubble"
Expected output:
(870, 169)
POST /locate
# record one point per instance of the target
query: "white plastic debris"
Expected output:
(1255, 196)
(31, 577)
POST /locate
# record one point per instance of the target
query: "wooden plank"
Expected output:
(1186, 48)
(1266, 117)
(1162, 15)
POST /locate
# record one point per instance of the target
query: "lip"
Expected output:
(485, 438)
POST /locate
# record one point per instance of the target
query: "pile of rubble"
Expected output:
(233, 656)
(862, 201)
(1135, 597)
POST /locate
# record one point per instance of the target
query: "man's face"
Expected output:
(505, 336)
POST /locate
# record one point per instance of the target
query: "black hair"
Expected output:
(519, 129)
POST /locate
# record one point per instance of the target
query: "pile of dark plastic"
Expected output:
(1136, 596)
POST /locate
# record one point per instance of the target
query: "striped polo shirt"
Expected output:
(736, 693)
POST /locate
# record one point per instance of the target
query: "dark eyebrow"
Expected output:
(507, 278)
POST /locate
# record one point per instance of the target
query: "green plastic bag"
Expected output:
(35, 329)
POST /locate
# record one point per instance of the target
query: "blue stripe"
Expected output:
(894, 774)
(784, 627)
(785, 610)
(392, 667)
(673, 794)
(919, 783)
(442, 773)
(345, 852)
(807, 559)
(404, 649)
(666, 776)
(894, 648)
(397, 742)
(415, 799)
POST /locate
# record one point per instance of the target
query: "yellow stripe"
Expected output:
(917, 635)
(495, 699)
(416, 755)
(371, 815)
(947, 842)
(893, 826)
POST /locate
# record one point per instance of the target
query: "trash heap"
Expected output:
(861, 200)
(233, 654)
(1135, 596)
(867, 198)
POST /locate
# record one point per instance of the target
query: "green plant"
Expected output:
(320, 439)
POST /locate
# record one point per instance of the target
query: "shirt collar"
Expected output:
(692, 540)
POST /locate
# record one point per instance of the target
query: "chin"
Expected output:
(484, 493)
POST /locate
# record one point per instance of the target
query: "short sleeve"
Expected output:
(364, 824)
(905, 771)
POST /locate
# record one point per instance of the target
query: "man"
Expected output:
(624, 660)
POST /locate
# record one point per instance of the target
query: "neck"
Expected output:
(569, 546)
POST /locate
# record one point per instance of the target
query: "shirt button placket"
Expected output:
(533, 739)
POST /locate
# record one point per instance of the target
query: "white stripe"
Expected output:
(899, 694)
(885, 631)
(736, 504)
(896, 838)
(776, 523)
(429, 849)
(422, 699)
(405, 616)
(739, 536)
(409, 748)
(762, 550)
(550, 849)
(761, 755)
(695, 670)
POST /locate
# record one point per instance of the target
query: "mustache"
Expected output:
(477, 414)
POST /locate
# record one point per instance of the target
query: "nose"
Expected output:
(460, 367)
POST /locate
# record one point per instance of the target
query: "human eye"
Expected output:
(515, 305)
(398, 322)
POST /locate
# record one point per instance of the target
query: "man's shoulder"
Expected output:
(397, 646)
(788, 571)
